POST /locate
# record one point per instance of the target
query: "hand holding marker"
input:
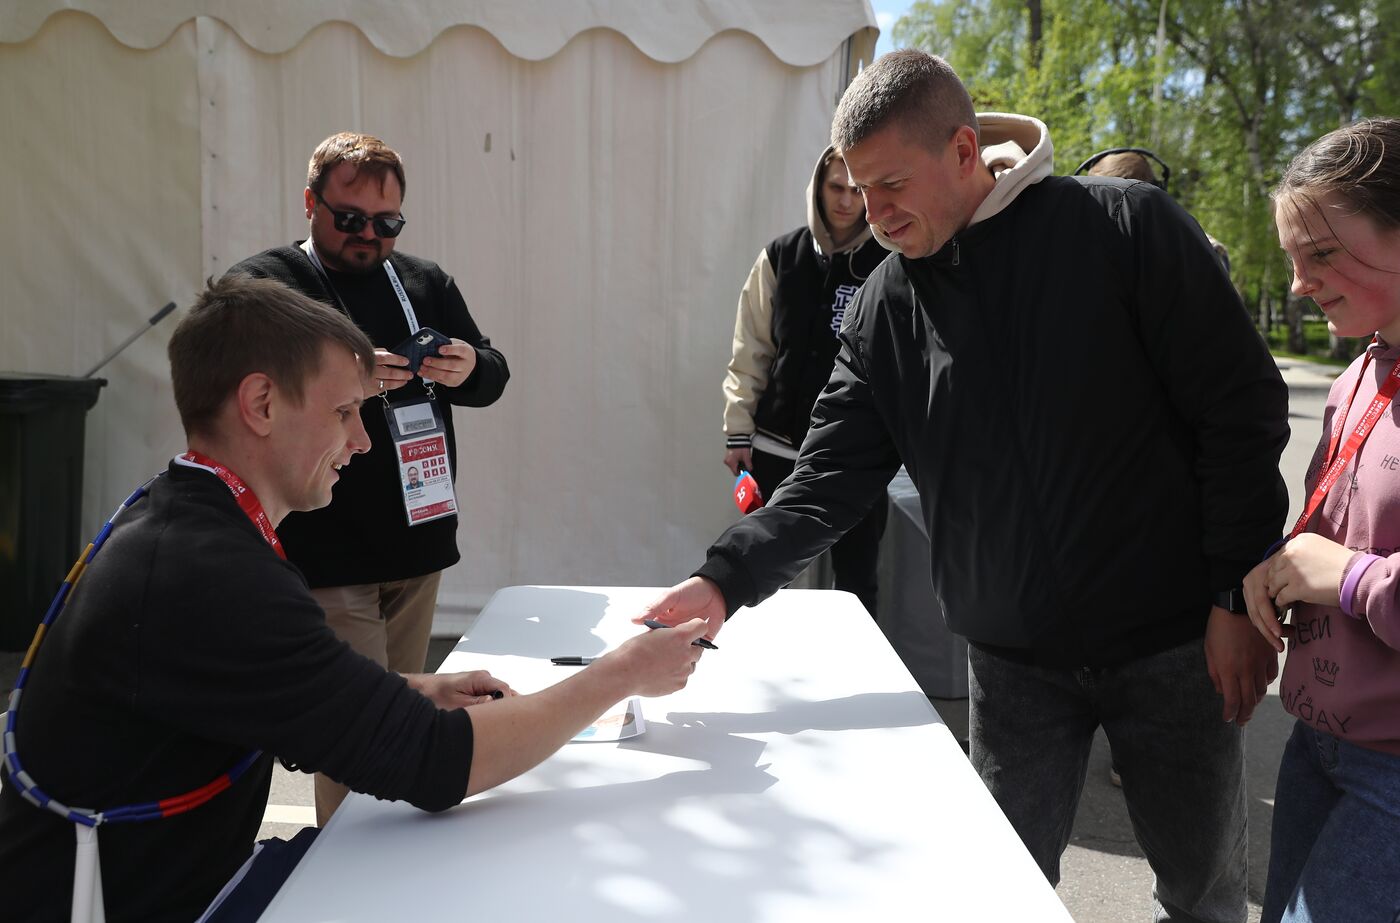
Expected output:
(653, 624)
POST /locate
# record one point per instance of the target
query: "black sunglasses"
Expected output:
(354, 222)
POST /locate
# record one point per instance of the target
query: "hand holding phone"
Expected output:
(426, 342)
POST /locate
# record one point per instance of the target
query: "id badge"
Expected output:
(420, 448)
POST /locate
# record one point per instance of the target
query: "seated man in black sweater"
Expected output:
(192, 649)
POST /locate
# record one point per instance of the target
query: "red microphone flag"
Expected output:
(747, 496)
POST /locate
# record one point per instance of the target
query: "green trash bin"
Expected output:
(41, 493)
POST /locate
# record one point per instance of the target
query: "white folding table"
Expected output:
(801, 776)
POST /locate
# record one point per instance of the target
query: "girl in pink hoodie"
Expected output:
(1335, 852)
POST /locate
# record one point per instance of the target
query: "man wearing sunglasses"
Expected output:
(375, 574)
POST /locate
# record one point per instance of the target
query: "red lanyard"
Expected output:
(247, 500)
(1337, 465)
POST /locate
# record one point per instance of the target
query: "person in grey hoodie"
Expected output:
(790, 312)
(1094, 428)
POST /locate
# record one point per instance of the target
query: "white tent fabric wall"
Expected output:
(101, 166)
(598, 207)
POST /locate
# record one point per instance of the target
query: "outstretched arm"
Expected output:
(696, 598)
(516, 733)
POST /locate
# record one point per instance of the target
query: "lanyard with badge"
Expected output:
(416, 426)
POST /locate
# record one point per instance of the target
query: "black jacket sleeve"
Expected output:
(843, 468)
(1219, 377)
(488, 380)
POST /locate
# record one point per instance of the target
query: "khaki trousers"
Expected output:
(390, 624)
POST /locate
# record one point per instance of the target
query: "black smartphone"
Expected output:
(420, 346)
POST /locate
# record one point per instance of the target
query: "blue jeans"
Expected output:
(1031, 729)
(1335, 853)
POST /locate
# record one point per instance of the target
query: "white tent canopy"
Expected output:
(597, 176)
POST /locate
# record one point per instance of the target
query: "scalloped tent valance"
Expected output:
(798, 32)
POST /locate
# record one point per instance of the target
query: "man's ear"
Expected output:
(255, 399)
(969, 154)
(310, 198)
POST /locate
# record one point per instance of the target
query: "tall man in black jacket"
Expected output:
(1094, 428)
(373, 570)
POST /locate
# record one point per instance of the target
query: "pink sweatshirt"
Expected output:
(1343, 671)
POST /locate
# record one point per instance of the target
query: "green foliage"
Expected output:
(1234, 90)
(1315, 342)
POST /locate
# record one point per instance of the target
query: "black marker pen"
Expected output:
(653, 624)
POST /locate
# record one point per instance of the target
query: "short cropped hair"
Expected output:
(1125, 165)
(919, 92)
(371, 157)
(240, 325)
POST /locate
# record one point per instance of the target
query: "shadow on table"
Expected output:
(546, 622)
(743, 854)
(896, 709)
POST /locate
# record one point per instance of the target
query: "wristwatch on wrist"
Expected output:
(1232, 600)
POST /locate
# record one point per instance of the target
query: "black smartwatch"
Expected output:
(1231, 600)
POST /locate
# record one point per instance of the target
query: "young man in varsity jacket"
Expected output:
(785, 344)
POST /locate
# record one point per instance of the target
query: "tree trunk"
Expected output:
(1037, 29)
(1293, 316)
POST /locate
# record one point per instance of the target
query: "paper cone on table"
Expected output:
(622, 721)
